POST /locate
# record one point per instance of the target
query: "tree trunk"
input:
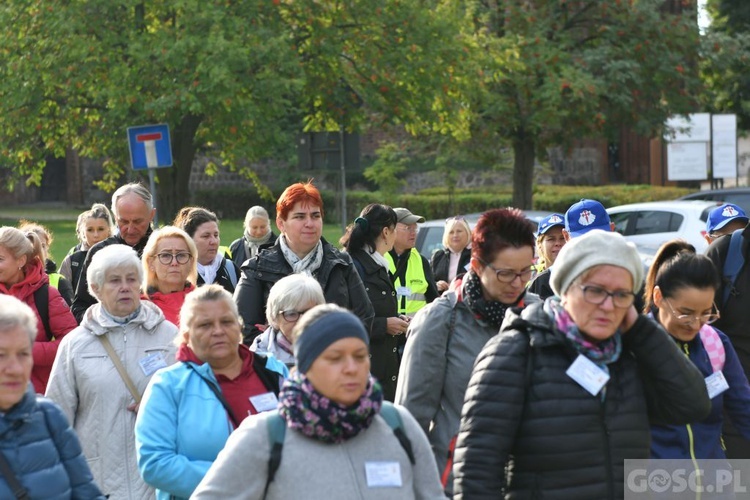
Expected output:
(523, 171)
(172, 185)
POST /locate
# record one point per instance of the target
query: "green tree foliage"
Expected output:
(234, 78)
(726, 55)
(552, 71)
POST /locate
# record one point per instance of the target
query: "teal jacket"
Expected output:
(181, 425)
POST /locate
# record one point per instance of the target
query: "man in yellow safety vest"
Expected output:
(410, 271)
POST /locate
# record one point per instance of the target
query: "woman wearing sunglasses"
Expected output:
(445, 337)
(169, 264)
(680, 291)
(289, 298)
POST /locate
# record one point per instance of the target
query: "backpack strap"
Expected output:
(714, 347)
(41, 301)
(733, 264)
(276, 427)
(231, 271)
(392, 417)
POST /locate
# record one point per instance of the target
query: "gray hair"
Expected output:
(109, 258)
(206, 293)
(314, 315)
(135, 188)
(15, 313)
(256, 212)
(291, 292)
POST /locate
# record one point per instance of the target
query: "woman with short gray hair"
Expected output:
(257, 236)
(290, 298)
(104, 365)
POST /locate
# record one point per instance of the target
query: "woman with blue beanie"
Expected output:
(338, 439)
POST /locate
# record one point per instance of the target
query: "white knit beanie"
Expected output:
(595, 248)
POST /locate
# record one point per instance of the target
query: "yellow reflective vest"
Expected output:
(411, 295)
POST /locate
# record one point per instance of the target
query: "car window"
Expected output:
(653, 221)
(431, 240)
(620, 221)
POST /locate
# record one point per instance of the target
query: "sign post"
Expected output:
(150, 148)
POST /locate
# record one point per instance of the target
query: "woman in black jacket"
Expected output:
(367, 241)
(453, 259)
(566, 392)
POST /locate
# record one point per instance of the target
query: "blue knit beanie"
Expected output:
(324, 331)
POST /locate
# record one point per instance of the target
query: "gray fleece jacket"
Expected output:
(312, 469)
(436, 367)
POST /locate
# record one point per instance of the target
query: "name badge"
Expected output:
(383, 474)
(403, 291)
(716, 384)
(152, 362)
(264, 402)
(587, 374)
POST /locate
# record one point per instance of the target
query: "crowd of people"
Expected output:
(519, 361)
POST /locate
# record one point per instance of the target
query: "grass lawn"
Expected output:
(61, 222)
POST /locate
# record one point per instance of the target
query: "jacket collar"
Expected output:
(98, 323)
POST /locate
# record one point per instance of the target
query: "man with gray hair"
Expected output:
(133, 208)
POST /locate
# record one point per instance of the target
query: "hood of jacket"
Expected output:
(537, 321)
(273, 261)
(34, 278)
(98, 322)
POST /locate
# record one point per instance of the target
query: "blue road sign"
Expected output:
(150, 146)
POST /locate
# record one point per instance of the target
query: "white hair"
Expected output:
(109, 258)
(14, 313)
(292, 292)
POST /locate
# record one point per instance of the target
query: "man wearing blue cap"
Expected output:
(725, 219)
(730, 256)
(585, 216)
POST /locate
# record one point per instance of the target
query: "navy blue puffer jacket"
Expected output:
(43, 452)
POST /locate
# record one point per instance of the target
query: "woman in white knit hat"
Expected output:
(563, 395)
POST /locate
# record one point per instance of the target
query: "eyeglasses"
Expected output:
(407, 229)
(456, 218)
(508, 275)
(597, 295)
(687, 319)
(166, 258)
(292, 315)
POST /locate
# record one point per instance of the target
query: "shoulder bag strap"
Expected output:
(219, 396)
(120, 369)
(41, 301)
(15, 485)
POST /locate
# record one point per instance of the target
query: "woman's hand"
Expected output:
(442, 286)
(629, 320)
(396, 326)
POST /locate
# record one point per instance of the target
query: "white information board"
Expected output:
(695, 127)
(687, 161)
(724, 146)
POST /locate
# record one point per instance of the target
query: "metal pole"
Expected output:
(343, 180)
(152, 187)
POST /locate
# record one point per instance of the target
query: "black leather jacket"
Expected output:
(337, 276)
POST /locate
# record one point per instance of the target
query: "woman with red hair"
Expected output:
(300, 248)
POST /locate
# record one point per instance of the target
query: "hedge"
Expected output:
(232, 203)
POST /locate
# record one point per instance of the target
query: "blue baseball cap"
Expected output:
(723, 215)
(549, 222)
(585, 216)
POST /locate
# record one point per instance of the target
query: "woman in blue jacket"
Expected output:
(42, 453)
(190, 408)
(680, 291)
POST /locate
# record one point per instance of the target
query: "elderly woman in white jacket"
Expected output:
(86, 382)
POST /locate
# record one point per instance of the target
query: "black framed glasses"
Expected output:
(508, 275)
(166, 258)
(687, 319)
(292, 315)
(597, 295)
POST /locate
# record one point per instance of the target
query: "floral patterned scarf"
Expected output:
(489, 310)
(316, 416)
